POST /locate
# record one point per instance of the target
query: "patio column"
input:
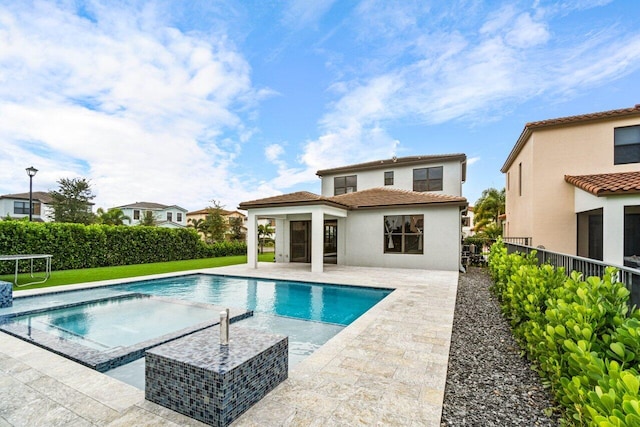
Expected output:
(252, 238)
(317, 240)
(613, 233)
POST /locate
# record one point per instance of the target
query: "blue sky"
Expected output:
(184, 102)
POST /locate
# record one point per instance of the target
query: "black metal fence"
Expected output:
(588, 267)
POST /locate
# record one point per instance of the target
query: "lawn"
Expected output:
(68, 277)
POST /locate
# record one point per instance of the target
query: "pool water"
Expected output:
(133, 313)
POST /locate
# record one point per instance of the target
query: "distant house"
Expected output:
(172, 216)
(573, 185)
(399, 212)
(467, 222)
(17, 206)
(201, 214)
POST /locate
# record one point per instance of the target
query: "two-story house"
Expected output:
(573, 185)
(17, 206)
(172, 216)
(400, 212)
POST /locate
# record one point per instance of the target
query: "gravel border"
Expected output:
(488, 382)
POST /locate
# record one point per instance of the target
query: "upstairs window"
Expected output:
(626, 143)
(388, 178)
(427, 179)
(345, 184)
(136, 214)
(169, 216)
(179, 217)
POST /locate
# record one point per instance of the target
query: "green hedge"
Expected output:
(87, 246)
(580, 335)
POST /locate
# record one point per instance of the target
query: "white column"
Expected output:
(317, 240)
(613, 233)
(281, 247)
(252, 238)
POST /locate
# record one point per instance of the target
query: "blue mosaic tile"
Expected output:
(215, 384)
(6, 294)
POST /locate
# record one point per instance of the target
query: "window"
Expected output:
(22, 208)
(179, 217)
(345, 184)
(169, 216)
(519, 179)
(388, 178)
(403, 234)
(427, 179)
(136, 214)
(508, 180)
(626, 145)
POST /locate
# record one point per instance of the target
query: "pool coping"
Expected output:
(388, 367)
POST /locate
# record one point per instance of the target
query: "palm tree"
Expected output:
(198, 224)
(113, 216)
(147, 219)
(264, 231)
(488, 209)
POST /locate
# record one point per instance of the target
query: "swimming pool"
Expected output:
(111, 326)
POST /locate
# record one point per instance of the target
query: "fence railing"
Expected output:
(588, 267)
(524, 241)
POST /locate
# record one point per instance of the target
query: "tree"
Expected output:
(72, 201)
(197, 224)
(264, 231)
(236, 224)
(488, 209)
(147, 219)
(113, 216)
(215, 225)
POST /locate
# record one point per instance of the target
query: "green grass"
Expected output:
(68, 277)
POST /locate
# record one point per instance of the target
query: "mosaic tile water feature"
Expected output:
(215, 384)
(6, 294)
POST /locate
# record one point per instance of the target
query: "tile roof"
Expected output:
(42, 196)
(290, 199)
(381, 197)
(531, 126)
(206, 211)
(607, 184)
(365, 199)
(394, 161)
(150, 205)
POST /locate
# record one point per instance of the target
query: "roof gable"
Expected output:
(530, 127)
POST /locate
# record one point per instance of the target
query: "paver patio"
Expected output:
(387, 368)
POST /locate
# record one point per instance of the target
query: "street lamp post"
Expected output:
(31, 171)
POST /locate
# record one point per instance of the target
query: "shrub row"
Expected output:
(580, 335)
(87, 246)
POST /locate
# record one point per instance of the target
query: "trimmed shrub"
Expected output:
(86, 246)
(580, 335)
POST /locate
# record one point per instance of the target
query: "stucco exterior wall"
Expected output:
(402, 178)
(545, 211)
(364, 239)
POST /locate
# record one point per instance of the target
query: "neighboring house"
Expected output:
(467, 222)
(166, 216)
(229, 215)
(573, 185)
(400, 212)
(17, 206)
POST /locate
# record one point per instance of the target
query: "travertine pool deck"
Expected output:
(387, 368)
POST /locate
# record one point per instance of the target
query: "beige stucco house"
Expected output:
(201, 214)
(400, 212)
(573, 185)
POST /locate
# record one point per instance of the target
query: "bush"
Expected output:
(86, 246)
(579, 333)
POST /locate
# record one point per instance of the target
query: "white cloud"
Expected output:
(472, 160)
(303, 13)
(273, 152)
(144, 111)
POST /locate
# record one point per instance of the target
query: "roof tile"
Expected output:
(608, 183)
